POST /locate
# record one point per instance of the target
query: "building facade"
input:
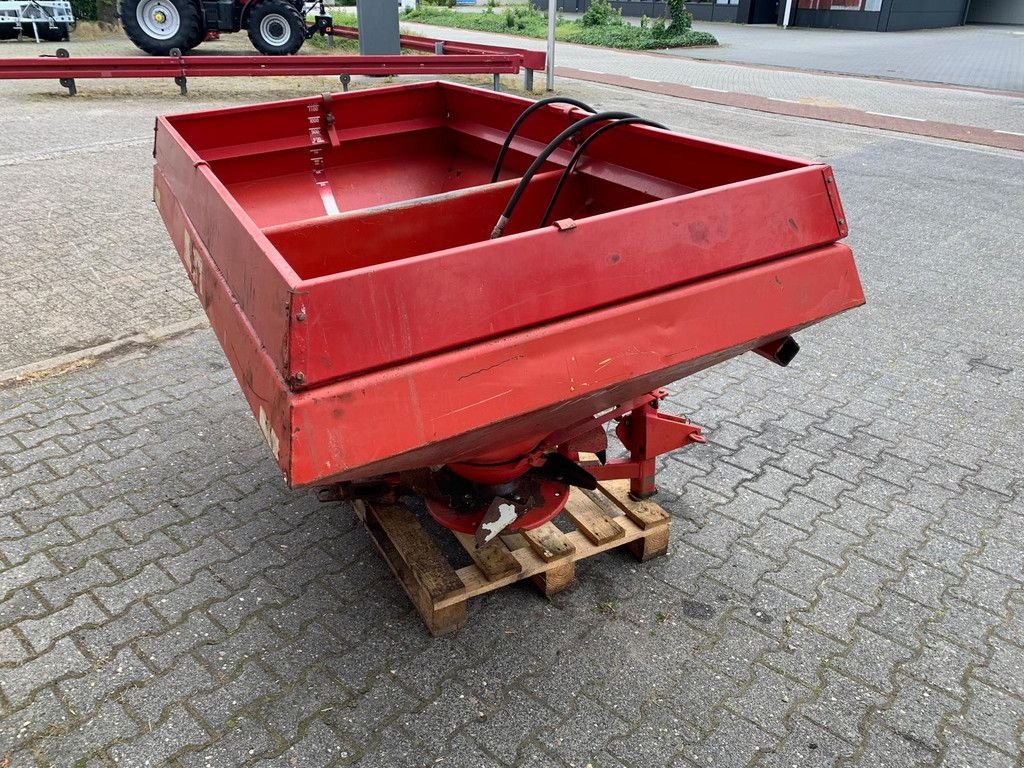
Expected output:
(866, 15)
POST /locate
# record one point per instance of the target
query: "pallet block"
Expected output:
(603, 519)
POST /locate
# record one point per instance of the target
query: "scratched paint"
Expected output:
(506, 516)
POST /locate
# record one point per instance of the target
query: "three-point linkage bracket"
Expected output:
(67, 82)
(180, 80)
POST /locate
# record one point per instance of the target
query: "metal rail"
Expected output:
(447, 58)
(532, 60)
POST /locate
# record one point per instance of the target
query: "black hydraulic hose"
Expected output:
(579, 153)
(522, 118)
(538, 161)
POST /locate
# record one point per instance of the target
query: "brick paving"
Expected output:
(996, 111)
(980, 56)
(844, 584)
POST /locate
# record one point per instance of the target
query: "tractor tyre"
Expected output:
(158, 26)
(276, 27)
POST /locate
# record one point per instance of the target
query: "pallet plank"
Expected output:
(645, 514)
(549, 542)
(422, 570)
(591, 519)
(545, 555)
(493, 558)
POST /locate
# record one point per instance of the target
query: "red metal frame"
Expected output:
(453, 347)
(182, 67)
(448, 58)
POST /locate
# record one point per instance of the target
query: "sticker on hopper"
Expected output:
(269, 435)
(193, 264)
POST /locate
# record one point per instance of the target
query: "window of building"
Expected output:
(840, 5)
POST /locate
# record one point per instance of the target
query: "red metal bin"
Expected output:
(341, 248)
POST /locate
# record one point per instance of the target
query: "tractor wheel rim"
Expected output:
(274, 29)
(159, 19)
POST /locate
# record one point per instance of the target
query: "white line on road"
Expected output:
(898, 117)
(787, 101)
(645, 79)
(1010, 133)
(706, 88)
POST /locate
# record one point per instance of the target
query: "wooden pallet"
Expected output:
(604, 519)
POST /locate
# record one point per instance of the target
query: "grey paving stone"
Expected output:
(964, 751)
(451, 709)
(1003, 670)
(35, 568)
(132, 558)
(768, 699)
(888, 749)
(371, 709)
(179, 684)
(992, 717)
(244, 741)
(918, 713)
(84, 693)
(808, 745)
(734, 741)
(58, 590)
(136, 622)
(321, 746)
(178, 732)
(201, 591)
(871, 658)
(45, 715)
(841, 705)
(583, 733)
(317, 693)
(63, 659)
(103, 541)
(20, 551)
(161, 651)
(898, 618)
(225, 657)
(12, 650)
(184, 566)
(147, 582)
(221, 705)
(256, 596)
(75, 744)
(514, 720)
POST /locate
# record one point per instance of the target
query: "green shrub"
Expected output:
(605, 26)
(601, 14)
(680, 19)
(85, 10)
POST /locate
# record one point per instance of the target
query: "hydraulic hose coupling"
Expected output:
(499, 228)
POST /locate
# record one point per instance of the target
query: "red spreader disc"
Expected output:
(553, 496)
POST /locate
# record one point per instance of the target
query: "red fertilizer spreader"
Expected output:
(440, 291)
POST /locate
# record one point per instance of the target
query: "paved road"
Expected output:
(844, 584)
(976, 55)
(918, 102)
(958, 106)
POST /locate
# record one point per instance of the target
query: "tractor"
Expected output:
(275, 27)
